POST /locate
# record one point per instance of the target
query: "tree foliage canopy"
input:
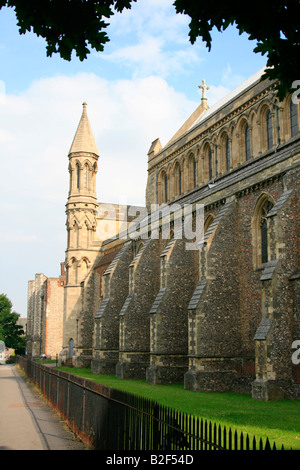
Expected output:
(11, 333)
(70, 25)
(273, 24)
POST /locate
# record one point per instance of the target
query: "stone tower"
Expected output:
(82, 246)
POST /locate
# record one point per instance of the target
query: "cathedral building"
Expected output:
(200, 286)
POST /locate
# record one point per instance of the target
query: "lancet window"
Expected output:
(293, 118)
(269, 126)
(247, 142)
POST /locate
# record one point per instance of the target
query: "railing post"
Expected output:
(83, 408)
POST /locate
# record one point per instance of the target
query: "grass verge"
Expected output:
(279, 421)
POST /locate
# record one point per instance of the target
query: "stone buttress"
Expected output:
(106, 328)
(134, 338)
(214, 333)
(169, 314)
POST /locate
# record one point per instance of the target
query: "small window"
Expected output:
(227, 152)
(179, 181)
(166, 187)
(260, 230)
(78, 176)
(293, 118)
(195, 173)
(269, 130)
(264, 240)
(264, 230)
(247, 142)
(85, 176)
(209, 164)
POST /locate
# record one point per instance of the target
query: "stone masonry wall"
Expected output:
(106, 327)
(54, 317)
(169, 314)
(144, 282)
(215, 335)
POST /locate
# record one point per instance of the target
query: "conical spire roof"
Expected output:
(84, 139)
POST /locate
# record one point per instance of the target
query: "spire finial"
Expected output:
(84, 140)
(204, 88)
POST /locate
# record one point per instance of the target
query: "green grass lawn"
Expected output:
(279, 421)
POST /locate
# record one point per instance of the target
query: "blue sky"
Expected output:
(143, 86)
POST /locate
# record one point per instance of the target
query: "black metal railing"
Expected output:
(109, 419)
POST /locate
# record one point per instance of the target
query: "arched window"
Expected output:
(209, 163)
(166, 187)
(260, 230)
(227, 153)
(179, 181)
(163, 187)
(93, 178)
(83, 269)
(247, 142)
(72, 271)
(266, 207)
(71, 177)
(78, 175)
(74, 235)
(293, 118)
(269, 126)
(85, 176)
(192, 172)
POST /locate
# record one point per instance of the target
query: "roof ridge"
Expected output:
(230, 96)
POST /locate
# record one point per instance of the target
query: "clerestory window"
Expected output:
(247, 143)
(227, 153)
(269, 126)
(293, 118)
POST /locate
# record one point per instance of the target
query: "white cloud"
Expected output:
(156, 40)
(149, 56)
(36, 131)
(215, 93)
(232, 80)
(126, 116)
(149, 47)
(155, 16)
(228, 82)
(2, 92)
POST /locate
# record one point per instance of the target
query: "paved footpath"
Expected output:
(27, 422)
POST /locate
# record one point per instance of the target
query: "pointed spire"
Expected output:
(84, 139)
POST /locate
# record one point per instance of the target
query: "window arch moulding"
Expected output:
(260, 229)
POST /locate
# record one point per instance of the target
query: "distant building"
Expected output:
(45, 315)
(22, 321)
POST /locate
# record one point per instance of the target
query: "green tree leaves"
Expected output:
(273, 24)
(11, 333)
(67, 25)
(78, 25)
